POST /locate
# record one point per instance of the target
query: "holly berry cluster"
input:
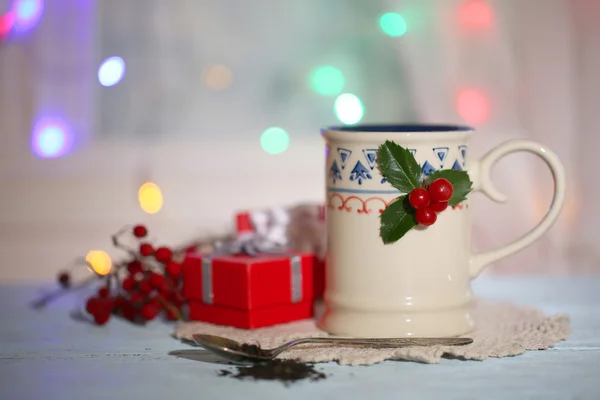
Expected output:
(421, 197)
(428, 202)
(139, 289)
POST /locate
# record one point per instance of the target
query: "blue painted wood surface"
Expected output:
(48, 355)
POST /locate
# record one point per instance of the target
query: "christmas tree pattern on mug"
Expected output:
(423, 196)
(360, 173)
(334, 172)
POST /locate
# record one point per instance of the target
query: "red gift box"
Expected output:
(244, 226)
(248, 291)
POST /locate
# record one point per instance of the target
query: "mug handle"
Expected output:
(481, 177)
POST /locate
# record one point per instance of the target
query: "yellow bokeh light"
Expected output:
(150, 198)
(99, 261)
(217, 77)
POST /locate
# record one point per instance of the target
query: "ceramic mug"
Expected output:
(420, 285)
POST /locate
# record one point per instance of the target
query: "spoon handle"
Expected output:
(387, 342)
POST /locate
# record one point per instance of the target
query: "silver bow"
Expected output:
(269, 234)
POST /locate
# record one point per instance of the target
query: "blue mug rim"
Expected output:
(401, 128)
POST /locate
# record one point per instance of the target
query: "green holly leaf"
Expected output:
(399, 167)
(459, 179)
(396, 220)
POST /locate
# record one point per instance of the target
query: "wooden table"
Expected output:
(49, 355)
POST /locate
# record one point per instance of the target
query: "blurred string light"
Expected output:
(348, 108)
(51, 138)
(111, 71)
(476, 14)
(217, 77)
(327, 80)
(27, 14)
(7, 21)
(473, 106)
(393, 24)
(274, 140)
(150, 198)
(99, 261)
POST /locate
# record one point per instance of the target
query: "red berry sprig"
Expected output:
(431, 201)
(422, 197)
(146, 286)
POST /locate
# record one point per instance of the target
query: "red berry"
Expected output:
(140, 231)
(438, 206)
(128, 311)
(128, 284)
(441, 190)
(418, 198)
(173, 269)
(145, 287)
(92, 305)
(64, 279)
(149, 312)
(425, 216)
(146, 249)
(118, 301)
(105, 305)
(136, 298)
(163, 254)
(101, 317)
(103, 292)
(190, 249)
(157, 281)
(134, 267)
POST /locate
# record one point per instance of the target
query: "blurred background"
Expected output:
(178, 113)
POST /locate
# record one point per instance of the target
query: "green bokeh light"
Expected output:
(327, 80)
(392, 24)
(349, 109)
(274, 140)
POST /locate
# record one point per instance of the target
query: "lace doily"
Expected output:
(502, 330)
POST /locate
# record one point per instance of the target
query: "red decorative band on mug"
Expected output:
(295, 281)
(365, 205)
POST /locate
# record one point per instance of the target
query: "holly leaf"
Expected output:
(459, 179)
(399, 167)
(396, 220)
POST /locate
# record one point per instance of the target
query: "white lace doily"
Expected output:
(502, 330)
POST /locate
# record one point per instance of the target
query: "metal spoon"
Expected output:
(235, 351)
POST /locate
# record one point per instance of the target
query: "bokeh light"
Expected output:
(99, 261)
(348, 108)
(7, 21)
(327, 80)
(27, 14)
(274, 140)
(393, 24)
(217, 77)
(51, 138)
(150, 198)
(476, 14)
(111, 71)
(473, 106)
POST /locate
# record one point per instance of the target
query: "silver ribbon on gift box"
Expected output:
(252, 245)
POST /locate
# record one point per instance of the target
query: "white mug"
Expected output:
(419, 285)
